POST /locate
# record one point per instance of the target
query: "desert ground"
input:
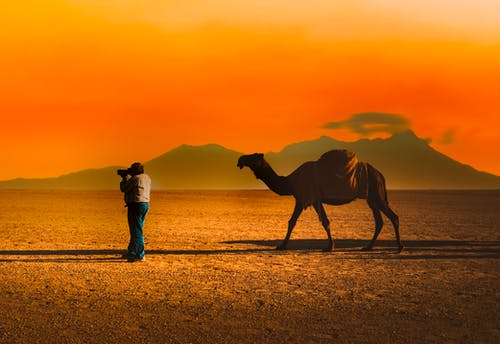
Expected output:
(212, 274)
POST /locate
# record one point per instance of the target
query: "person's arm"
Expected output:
(127, 183)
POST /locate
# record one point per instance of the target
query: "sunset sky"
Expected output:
(92, 83)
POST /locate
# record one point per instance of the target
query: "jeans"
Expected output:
(136, 216)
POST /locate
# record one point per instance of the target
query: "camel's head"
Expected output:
(253, 161)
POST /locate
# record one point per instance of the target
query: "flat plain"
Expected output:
(212, 274)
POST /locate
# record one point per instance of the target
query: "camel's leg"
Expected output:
(291, 224)
(395, 223)
(326, 224)
(378, 227)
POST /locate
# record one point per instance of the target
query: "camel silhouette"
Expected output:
(316, 182)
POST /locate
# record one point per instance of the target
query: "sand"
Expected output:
(212, 274)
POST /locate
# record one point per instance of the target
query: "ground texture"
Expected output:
(212, 274)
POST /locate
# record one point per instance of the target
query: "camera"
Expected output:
(122, 173)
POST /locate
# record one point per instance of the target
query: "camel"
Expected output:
(307, 177)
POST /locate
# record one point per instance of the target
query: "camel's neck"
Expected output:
(277, 184)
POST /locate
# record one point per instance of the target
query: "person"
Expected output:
(136, 186)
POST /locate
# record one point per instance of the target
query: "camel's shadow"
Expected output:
(415, 249)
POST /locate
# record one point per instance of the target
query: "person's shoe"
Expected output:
(127, 255)
(136, 259)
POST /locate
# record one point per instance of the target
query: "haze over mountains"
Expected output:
(406, 161)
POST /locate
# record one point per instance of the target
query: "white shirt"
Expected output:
(136, 188)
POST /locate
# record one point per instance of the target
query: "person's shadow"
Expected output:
(105, 255)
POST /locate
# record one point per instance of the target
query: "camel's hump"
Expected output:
(333, 176)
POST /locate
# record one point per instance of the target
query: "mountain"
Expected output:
(406, 161)
(198, 167)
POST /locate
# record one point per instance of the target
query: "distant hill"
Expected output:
(87, 179)
(406, 161)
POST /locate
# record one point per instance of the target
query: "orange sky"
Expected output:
(91, 83)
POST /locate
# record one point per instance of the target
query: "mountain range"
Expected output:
(406, 161)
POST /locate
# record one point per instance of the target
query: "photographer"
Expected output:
(136, 185)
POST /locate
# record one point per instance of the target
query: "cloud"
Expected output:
(369, 123)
